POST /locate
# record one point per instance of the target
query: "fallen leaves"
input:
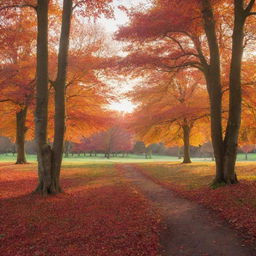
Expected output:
(108, 218)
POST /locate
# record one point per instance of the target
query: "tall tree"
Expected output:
(49, 170)
(182, 34)
(18, 69)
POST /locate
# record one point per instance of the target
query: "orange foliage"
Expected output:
(167, 104)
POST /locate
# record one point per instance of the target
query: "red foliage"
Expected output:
(96, 219)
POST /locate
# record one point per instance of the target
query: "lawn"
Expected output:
(195, 175)
(99, 214)
(131, 158)
(235, 203)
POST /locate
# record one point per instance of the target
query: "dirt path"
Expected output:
(190, 229)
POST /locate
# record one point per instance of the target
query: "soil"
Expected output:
(188, 228)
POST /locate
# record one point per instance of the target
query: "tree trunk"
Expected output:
(20, 135)
(186, 135)
(60, 92)
(235, 95)
(49, 160)
(213, 80)
(225, 151)
(46, 184)
(179, 153)
(66, 148)
(246, 156)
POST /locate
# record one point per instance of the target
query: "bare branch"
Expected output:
(249, 8)
(251, 13)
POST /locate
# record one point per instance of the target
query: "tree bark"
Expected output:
(186, 135)
(60, 91)
(49, 160)
(20, 135)
(225, 150)
(44, 153)
(235, 95)
(213, 80)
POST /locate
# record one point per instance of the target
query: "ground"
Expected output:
(188, 229)
(99, 214)
(105, 212)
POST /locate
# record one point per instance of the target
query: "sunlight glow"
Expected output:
(111, 26)
(123, 106)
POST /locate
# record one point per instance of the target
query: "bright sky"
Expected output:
(111, 25)
(123, 106)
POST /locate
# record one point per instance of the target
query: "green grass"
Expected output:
(195, 175)
(93, 159)
(131, 158)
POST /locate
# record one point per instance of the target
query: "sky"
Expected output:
(111, 25)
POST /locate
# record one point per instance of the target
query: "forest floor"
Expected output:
(125, 209)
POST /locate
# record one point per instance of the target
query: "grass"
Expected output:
(195, 175)
(131, 158)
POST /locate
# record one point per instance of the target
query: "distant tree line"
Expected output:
(95, 145)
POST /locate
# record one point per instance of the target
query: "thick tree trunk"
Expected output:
(60, 92)
(49, 160)
(186, 135)
(235, 95)
(213, 80)
(46, 184)
(225, 151)
(216, 124)
(20, 135)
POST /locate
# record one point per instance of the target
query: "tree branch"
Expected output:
(251, 14)
(249, 8)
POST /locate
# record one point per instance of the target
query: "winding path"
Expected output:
(190, 230)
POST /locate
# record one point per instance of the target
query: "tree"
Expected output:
(169, 107)
(182, 34)
(18, 72)
(115, 139)
(49, 159)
